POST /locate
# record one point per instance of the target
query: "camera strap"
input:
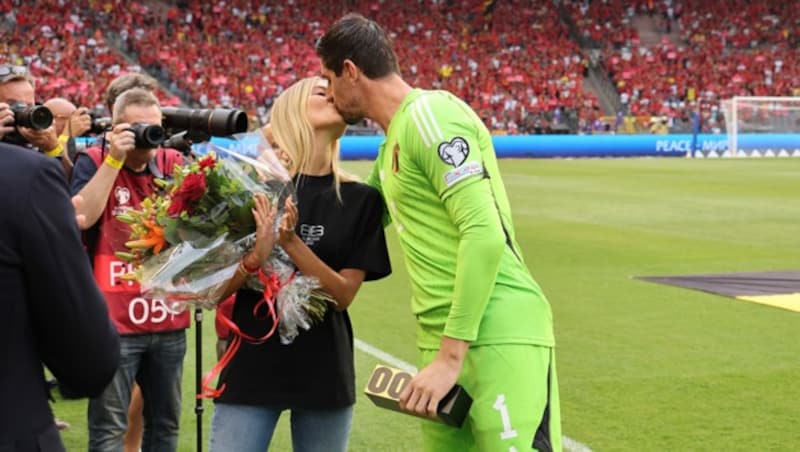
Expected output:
(158, 163)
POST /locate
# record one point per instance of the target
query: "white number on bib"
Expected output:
(500, 405)
(141, 311)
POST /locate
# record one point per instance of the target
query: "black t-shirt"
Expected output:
(316, 370)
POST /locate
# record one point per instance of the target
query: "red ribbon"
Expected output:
(272, 286)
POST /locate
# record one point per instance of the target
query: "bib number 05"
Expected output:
(142, 310)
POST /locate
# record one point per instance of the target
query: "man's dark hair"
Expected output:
(126, 82)
(360, 40)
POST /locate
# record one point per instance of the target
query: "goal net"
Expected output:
(762, 126)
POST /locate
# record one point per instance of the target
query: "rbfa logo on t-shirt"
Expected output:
(311, 233)
(122, 196)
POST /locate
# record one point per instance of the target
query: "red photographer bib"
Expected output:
(131, 312)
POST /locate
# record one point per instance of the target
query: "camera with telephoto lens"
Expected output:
(35, 117)
(148, 136)
(217, 122)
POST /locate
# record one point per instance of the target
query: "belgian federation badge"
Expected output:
(454, 152)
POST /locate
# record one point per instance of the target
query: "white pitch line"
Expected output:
(573, 445)
(383, 356)
(569, 444)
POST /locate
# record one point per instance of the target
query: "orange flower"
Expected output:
(153, 239)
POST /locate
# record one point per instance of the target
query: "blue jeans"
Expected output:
(155, 361)
(245, 428)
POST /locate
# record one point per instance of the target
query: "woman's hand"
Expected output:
(288, 223)
(264, 214)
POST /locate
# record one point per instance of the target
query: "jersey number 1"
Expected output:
(500, 405)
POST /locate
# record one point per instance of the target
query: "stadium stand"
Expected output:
(63, 44)
(724, 49)
(514, 61)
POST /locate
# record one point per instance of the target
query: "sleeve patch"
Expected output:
(462, 172)
(454, 152)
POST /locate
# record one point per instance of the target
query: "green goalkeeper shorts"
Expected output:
(515, 404)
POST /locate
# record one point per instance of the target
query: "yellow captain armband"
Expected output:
(112, 162)
(55, 152)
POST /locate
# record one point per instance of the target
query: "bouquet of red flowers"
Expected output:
(187, 241)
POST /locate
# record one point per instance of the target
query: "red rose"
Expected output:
(193, 187)
(207, 162)
(176, 206)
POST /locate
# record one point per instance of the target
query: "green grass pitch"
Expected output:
(642, 367)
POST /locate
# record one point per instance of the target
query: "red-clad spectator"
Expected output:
(733, 48)
(244, 53)
(66, 51)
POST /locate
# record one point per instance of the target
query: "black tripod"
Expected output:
(198, 370)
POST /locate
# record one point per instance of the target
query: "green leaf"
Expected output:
(171, 230)
(127, 257)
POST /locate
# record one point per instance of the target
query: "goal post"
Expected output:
(762, 126)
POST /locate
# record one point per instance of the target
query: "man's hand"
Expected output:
(45, 140)
(79, 122)
(431, 384)
(122, 141)
(77, 200)
(6, 120)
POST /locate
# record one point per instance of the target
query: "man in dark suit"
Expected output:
(53, 312)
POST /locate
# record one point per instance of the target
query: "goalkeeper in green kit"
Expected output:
(483, 322)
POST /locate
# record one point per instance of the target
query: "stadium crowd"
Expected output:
(723, 49)
(63, 45)
(251, 51)
(511, 60)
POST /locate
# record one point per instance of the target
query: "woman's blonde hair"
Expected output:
(294, 134)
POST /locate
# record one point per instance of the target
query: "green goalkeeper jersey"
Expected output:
(438, 174)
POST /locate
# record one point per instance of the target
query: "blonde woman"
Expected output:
(334, 233)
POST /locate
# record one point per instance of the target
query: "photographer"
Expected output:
(121, 84)
(17, 90)
(69, 122)
(153, 340)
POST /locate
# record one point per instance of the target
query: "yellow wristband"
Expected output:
(112, 162)
(55, 152)
(63, 139)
